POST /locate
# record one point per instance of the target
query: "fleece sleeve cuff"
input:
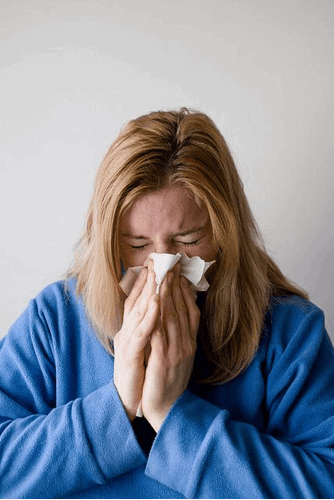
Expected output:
(120, 440)
(176, 446)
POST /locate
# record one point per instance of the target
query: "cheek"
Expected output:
(205, 251)
(133, 258)
(207, 254)
(210, 253)
(211, 250)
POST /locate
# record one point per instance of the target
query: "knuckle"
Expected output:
(136, 314)
(180, 306)
(139, 332)
(172, 314)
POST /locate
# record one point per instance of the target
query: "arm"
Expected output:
(203, 453)
(49, 451)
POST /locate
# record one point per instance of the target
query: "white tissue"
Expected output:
(193, 268)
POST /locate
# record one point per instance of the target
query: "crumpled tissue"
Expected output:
(193, 268)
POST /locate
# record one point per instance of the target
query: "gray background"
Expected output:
(73, 72)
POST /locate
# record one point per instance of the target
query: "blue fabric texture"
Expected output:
(269, 433)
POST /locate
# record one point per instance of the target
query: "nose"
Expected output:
(164, 247)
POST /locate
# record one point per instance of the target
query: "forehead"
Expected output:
(170, 209)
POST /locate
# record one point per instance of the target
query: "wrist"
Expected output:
(131, 415)
(156, 419)
(128, 405)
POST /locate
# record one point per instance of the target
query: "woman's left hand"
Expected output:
(173, 347)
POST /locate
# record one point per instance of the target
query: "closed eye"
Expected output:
(184, 243)
(141, 247)
(190, 244)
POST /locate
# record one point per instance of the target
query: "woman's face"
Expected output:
(165, 221)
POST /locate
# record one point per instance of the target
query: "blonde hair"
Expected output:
(159, 149)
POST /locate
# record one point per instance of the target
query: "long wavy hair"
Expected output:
(161, 149)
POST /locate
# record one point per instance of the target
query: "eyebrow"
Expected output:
(183, 233)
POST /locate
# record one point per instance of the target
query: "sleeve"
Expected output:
(48, 451)
(202, 452)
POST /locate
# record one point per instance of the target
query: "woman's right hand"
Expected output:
(141, 311)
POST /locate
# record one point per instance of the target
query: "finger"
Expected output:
(180, 305)
(190, 303)
(136, 290)
(159, 340)
(170, 319)
(149, 289)
(148, 323)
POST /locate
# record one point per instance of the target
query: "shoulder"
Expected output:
(57, 292)
(60, 307)
(55, 309)
(291, 310)
(58, 297)
(293, 324)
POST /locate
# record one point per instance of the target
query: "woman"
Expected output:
(235, 385)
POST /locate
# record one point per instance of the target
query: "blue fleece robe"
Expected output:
(64, 432)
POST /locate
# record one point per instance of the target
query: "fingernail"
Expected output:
(151, 266)
(143, 271)
(154, 301)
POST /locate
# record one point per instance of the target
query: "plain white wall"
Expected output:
(73, 72)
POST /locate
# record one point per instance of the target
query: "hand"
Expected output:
(173, 347)
(141, 310)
